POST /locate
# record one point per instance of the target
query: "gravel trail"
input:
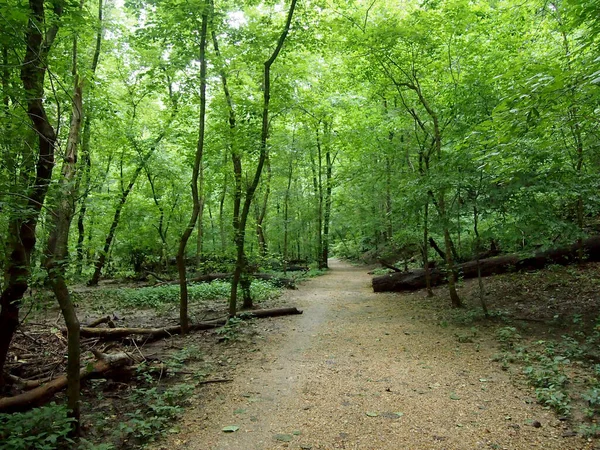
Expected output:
(357, 370)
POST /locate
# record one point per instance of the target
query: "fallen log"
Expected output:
(415, 279)
(149, 334)
(41, 394)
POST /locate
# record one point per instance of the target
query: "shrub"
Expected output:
(44, 428)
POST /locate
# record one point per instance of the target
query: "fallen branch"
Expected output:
(157, 333)
(218, 380)
(43, 393)
(389, 266)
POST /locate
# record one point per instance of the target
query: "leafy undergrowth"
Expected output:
(131, 412)
(154, 297)
(547, 326)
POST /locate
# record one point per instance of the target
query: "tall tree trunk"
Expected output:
(478, 256)
(318, 190)
(262, 211)
(241, 259)
(57, 250)
(22, 229)
(200, 226)
(222, 215)
(327, 212)
(426, 249)
(85, 150)
(236, 160)
(181, 269)
(286, 216)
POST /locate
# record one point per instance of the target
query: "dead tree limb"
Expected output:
(43, 393)
(111, 334)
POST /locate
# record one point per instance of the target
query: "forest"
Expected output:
(158, 142)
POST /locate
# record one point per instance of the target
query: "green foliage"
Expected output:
(231, 330)
(548, 373)
(159, 408)
(155, 297)
(44, 428)
(347, 249)
(592, 397)
(555, 398)
(508, 336)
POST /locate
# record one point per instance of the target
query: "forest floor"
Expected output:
(359, 370)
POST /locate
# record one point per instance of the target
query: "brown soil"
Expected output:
(362, 371)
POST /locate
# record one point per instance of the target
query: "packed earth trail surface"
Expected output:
(360, 370)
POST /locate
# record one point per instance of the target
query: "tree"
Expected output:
(37, 174)
(181, 268)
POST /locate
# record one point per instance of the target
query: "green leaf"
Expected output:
(230, 429)
(372, 414)
(454, 396)
(283, 437)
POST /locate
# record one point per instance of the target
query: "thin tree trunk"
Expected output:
(328, 200)
(85, 150)
(237, 176)
(262, 211)
(318, 190)
(222, 215)
(426, 249)
(441, 203)
(241, 259)
(22, 229)
(181, 269)
(478, 253)
(57, 251)
(286, 216)
(200, 226)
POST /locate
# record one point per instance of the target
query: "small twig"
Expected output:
(139, 351)
(216, 380)
(29, 337)
(527, 319)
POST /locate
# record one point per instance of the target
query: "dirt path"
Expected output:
(358, 371)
